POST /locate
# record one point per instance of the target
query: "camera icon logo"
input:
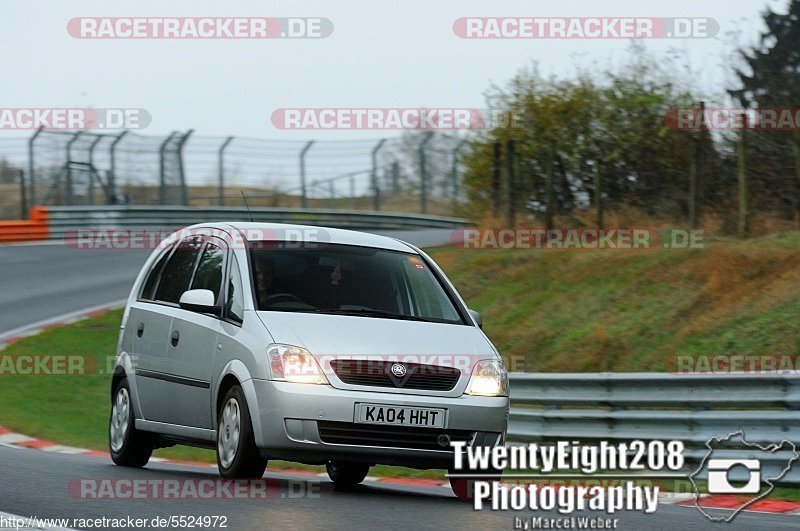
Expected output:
(735, 466)
(723, 472)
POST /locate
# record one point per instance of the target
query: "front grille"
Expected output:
(391, 436)
(379, 374)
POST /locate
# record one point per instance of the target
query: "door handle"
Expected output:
(176, 336)
(140, 330)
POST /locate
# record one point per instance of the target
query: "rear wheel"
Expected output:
(237, 453)
(346, 474)
(127, 445)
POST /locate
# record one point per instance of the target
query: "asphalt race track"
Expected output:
(36, 483)
(42, 282)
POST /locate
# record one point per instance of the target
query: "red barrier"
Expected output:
(33, 229)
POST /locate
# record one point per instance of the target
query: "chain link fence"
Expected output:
(415, 173)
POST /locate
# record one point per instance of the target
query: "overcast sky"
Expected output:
(380, 54)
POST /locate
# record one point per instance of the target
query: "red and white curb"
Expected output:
(731, 503)
(12, 439)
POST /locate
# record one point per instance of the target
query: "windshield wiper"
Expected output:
(365, 312)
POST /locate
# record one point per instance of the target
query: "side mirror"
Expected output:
(200, 301)
(477, 317)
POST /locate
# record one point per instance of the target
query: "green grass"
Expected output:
(633, 310)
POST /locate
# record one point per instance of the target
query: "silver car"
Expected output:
(309, 344)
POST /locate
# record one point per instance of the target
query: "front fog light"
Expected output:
(294, 364)
(489, 378)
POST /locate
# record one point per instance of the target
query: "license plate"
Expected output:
(400, 416)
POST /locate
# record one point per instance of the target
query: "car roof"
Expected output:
(285, 231)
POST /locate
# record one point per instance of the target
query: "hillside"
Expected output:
(632, 310)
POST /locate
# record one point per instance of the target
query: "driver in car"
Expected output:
(264, 277)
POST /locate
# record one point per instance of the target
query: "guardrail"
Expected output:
(63, 221)
(646, 406)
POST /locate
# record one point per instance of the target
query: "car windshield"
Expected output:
(348, 280)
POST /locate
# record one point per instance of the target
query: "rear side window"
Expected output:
(148, 291)
(178, 271)
(209, 271)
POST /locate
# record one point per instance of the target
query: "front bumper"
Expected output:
(289, 415)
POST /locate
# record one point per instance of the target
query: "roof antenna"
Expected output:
(247, 206)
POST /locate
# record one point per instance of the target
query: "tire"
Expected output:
(464, 487)
(127, 445)
(345, 473)
(237, 453)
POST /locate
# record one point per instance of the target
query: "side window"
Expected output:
(209, 271)
(178, 271)
(148, 291)
(235, 306)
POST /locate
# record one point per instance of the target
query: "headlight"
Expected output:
(294, 364)
(489, 378)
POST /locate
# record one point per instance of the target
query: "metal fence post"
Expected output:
(112, 175)
(221, 170)
(423, 172)
(179, 147)
(454, 187)
(598, 194)
(90, 185)
(303, 192)
(550, 207)
(162, 170)
(694, 165)
(376, 191)
(743, 178)
(314, 185)
(68, 191)
(496, 179)
(23, 200)
(511, 186)
(395, 177)
(32, 165)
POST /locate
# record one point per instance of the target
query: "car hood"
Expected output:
(344, 336)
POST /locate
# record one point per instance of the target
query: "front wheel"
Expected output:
(237, 453)
(127, 445)
(346, 474)
(464, 485)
